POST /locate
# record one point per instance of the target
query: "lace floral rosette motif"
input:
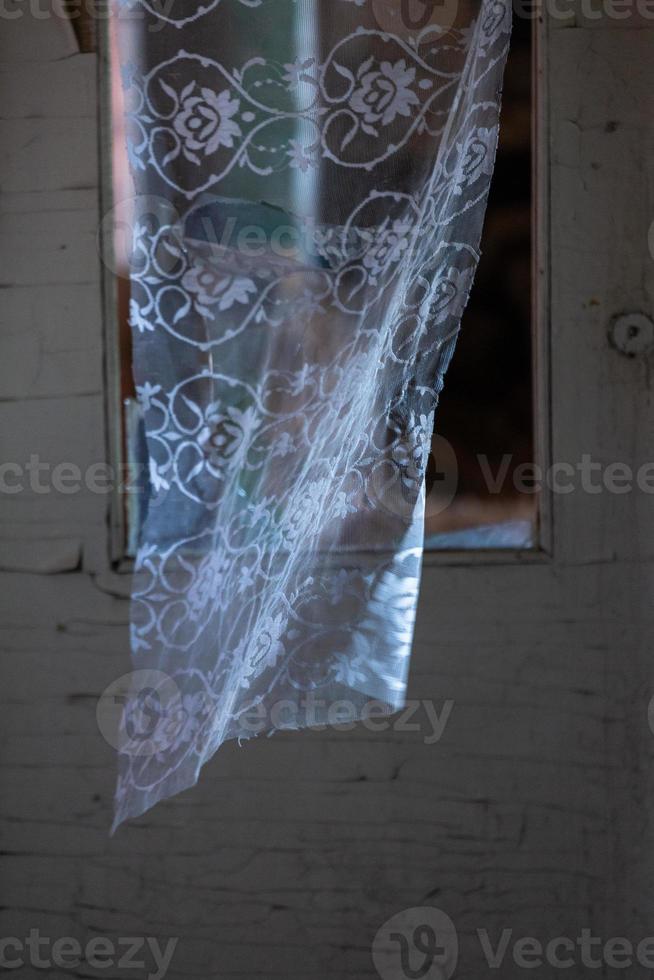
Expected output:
(314, 189)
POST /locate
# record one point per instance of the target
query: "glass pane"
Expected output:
(477, 495)
(478, 490)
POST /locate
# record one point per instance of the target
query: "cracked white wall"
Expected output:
(533, 811)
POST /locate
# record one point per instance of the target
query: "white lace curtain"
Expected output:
(311, 179)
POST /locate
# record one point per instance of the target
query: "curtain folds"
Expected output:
(310, 184)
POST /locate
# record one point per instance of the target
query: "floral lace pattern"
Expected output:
(305, 242)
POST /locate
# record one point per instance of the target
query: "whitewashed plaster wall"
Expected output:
(534, 810)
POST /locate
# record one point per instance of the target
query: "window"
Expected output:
(480, 490)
